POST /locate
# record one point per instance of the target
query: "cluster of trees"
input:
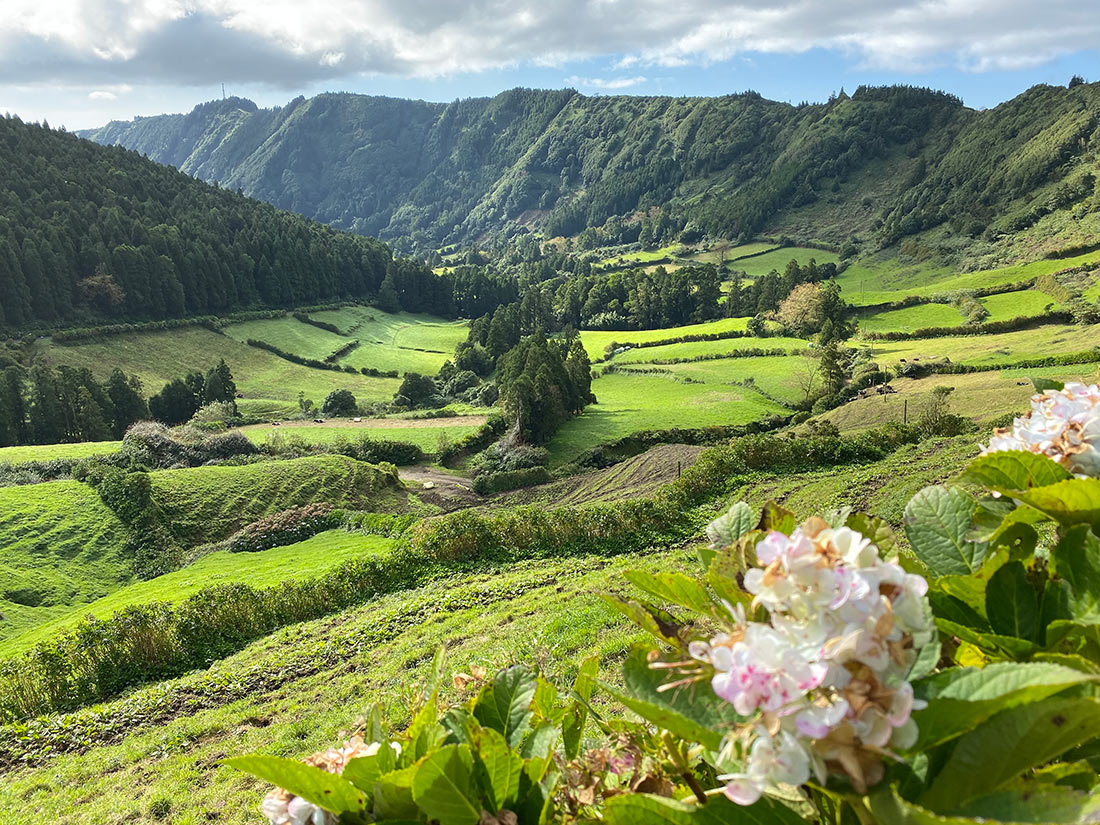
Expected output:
(543, 383)
(90, 232)
(181, 398)
(766, 293)
(67, 404)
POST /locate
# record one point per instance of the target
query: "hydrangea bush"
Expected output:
(824, 672)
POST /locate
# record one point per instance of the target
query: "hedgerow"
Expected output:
(993, 327)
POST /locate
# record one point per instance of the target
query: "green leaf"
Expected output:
(443, 787)
(937, 520)
(775, 517)
(505, 704)
(1007, 646)
(1013, 741)
(327, 790)
(498, 768)
(646, 809)
(673, 587)
(572, 728)
(424, 733)
(363, 771)
(1035, 803)
(691, 712)
(727, 564)
(545, 703)
(1014, 470)
(1044, 384)
(1076, 560)
(876, 529)
(537, 748)
(728, 528)
(1076, 501)
(393, 798)
(1056, 606)
(889, 808)
(960, 699)
(586, 677)
(1011, 603)
(659, 623)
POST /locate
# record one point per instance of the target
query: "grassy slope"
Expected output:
(427, 438)
(693, 349)
(777, 375)
(61, 547)
(1013, 304)
(595, 341)
(206, 504)
(1051, 339)
(778, 259)
(48, 452)
(911, 318)
(296, 691)
(402, 342)
(304, 559)
(628, 403)
(157, 357)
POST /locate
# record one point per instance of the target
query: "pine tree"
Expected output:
(130, 406)
(387, 295)
(219, 386)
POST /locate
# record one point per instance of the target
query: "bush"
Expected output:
(375, 451)
(488, 483)
(502, 457)
(340, 403)
(481, 438)
(280, 529)
(153, 445)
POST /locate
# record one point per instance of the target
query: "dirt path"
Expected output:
(382, 423)
(444, 490)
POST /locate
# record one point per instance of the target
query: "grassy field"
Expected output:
(61, 547)
(302, 560)
(1013, 304)
(783, 377)
(693, 349)
(48, 452)
(628, 403)
(596, 341)
(1023, 344)
(874, 282)
(778, 259)
(157, 357)
(426, 437)
(911, 318)
(204, 504)
(402, 342)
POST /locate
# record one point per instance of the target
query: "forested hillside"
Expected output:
(89, 233)
(887, 162)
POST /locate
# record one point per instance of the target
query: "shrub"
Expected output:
(502, 457)
(340, 403)
(488, 483)
(375, 451)
(281, 529)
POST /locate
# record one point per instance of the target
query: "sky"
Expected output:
(82, 63)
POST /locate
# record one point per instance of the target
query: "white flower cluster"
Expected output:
(823, 683)
(282, 807)
(1063, 424)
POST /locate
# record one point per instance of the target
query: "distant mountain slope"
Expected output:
(888, 161)
(89, 232)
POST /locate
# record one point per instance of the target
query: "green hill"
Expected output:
(882, 164)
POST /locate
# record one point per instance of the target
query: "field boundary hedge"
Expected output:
(991, 328)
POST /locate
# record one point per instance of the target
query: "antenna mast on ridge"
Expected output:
(223, 91)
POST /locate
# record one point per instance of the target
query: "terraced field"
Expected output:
(425, 433)
(694, 349)
(49, 452)
(596, 341)
(911, 318)
(778, 259)
(1013, 304)
(1052, 339)
(302, 560)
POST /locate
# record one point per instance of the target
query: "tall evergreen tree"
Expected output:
(130, 406)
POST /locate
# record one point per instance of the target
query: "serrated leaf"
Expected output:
(887, 806)
(1014, 470)
(725, 568)
(691, 712)
(363, 771)
(647, 809)
(1076, 560)
(1013, 741)
(1011, 604)
(537, 748)
(937, 520)
(1076, 501)
(326, 790)
(960, 699)
(673, 587)
(393, 799)
(1047, 804)
(727, 528)
(505, 704)
(443, 787)
(497, 767)
(876, 529)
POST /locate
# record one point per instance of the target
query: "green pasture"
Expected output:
(426, 438)
(629, 403)
(267, 568)
(783, 377)
(404, 342)
(1008, 305)
(49, 452)
(596, 341)
(61, 547)
(911, 318)
(205, 504)
(778, 259)
(290, 335)
(694, 349)
(875, 282)
(1051, 339)
(158, 357)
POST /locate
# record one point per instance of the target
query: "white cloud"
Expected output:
(102, 94)
(604, 82)
(286, 43)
